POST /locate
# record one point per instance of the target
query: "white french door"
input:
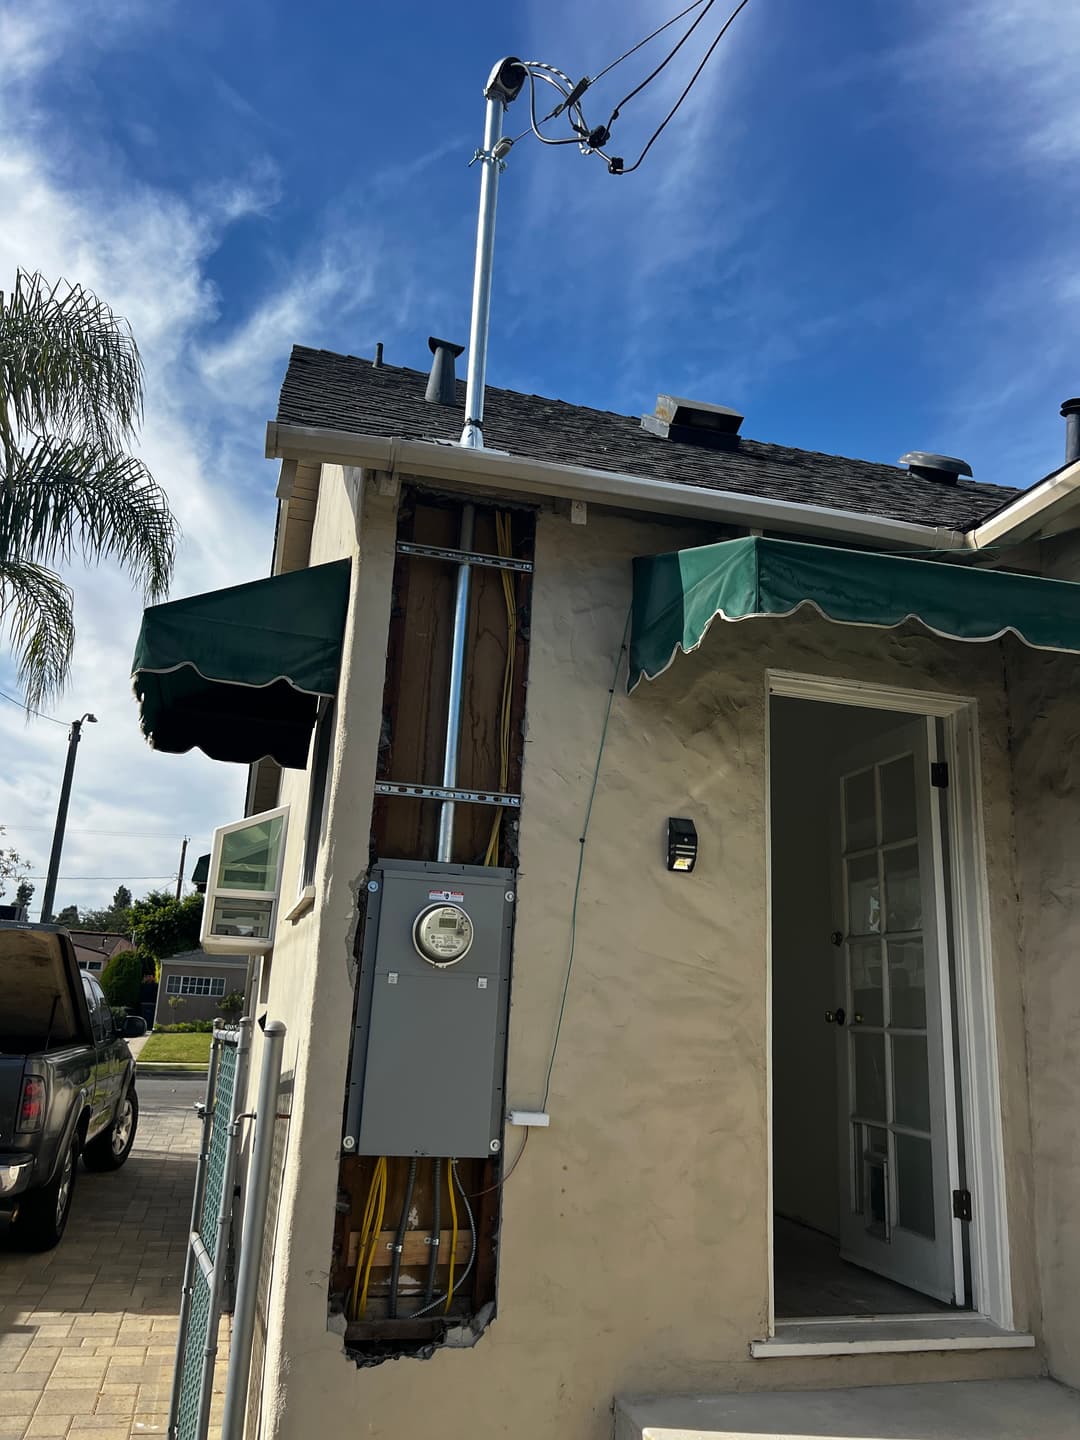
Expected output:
(893, 1018)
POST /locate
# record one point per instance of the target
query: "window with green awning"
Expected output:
(677, 596)
(240, 673)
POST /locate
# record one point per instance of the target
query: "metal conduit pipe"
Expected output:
(456, 700)
(436, 1230)
(399, 1242)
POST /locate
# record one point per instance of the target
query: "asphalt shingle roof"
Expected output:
(342, 392)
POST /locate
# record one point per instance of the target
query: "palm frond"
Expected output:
(36, 613)
(65, 498)
(67, 364)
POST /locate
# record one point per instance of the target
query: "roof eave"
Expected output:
(1032, 512)
(459, 465)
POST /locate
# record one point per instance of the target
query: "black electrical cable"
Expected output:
(5, 696)
(399, 1242)
(436, 1230)
(635, 48)
(663, 63)
(455, 1179)
(616, 166)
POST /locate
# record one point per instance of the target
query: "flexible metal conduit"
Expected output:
(455, 703)
(456, 1180)
(399, 1241)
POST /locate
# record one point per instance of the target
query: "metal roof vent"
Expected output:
(1070, 413)
(442, 382)
(944, 469)
(692, 422)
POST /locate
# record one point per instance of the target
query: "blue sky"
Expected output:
(859, 230)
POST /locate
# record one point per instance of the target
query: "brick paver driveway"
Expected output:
(87, 1331)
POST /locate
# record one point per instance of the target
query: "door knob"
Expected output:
(835, 1017)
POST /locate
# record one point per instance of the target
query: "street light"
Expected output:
(74, 736)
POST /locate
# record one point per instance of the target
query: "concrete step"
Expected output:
(958, 1410)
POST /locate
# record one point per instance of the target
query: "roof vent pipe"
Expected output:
(1070, 411)
(376, 364)
(442, 382)
(942, 469)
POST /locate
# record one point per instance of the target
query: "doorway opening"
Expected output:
(867, 1124)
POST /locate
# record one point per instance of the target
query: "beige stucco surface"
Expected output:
(634, 1249)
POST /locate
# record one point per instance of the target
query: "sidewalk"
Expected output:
(88, 1330)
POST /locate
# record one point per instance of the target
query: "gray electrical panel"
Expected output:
(429, 1042)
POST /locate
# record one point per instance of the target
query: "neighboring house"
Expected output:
(197, 983)
(814, 1102)
(95, 948)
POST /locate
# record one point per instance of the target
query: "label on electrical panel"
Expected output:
(449, 896)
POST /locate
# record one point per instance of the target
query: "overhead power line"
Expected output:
(121, 834)
(68, 878)
(641, 43)
(26, 708)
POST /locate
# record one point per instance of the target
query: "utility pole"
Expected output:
(74, 736)
(180, 872)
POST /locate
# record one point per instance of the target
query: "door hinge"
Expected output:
(961, 1204)
(939, 774)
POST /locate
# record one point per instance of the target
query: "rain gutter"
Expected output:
(499, 470)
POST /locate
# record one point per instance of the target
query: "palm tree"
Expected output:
(71, 396)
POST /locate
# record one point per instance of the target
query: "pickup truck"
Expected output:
(67, 1081)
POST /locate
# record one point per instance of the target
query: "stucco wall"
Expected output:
(634, 1252)
(1044, 694)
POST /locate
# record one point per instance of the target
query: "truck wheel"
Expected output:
(43, 1214)
(113, 1146)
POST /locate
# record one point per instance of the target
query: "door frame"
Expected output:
(973, 996)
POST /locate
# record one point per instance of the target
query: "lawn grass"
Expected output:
(177, 1050)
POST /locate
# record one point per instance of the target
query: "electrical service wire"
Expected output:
(370, 1229)
(40, 716)
(581, 858)
(505, 544)
(451, 1288)
(641, 43)
(508, 1172)
(629, 169)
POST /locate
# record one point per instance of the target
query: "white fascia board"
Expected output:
(1030, 514)
(493, 469)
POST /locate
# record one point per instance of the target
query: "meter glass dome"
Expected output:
(442, 934)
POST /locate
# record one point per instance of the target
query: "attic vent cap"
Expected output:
(694, 422)
(442, 382)
(944, 469)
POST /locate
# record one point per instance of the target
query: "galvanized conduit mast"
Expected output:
(456, 701)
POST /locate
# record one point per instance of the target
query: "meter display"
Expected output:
(442, 935)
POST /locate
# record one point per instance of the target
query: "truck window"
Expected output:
(103, 1011)
(36, 1001)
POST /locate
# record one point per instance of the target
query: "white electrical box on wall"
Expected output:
(244, 884)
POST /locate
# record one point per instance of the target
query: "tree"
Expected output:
(25, 893)
(122, 979)
(68, 917)
(164, 926)
(12, 865)
(71, 397)
(115, 917)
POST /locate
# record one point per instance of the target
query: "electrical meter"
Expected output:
(442, 935)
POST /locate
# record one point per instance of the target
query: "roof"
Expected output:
(343, 392)
(103, 942)
(200, 958)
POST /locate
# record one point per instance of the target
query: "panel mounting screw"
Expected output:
(372, 886)
(495, 1146)
(510, 896)
(348, 1143)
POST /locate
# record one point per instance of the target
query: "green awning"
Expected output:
(240, 673)
(678, 596)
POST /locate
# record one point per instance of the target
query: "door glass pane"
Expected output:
(864, 896)
(902, 894)
(860, 816)
(911, 1081)
(907, 984)
(898, 800)
(869, 1053)
(866, 997)
(915, 1185)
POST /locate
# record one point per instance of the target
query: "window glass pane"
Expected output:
(249, 857)
(898, 800)
(864, 896)
(915, 1185)
(911, 1081)
(172, 985)
(903, 898)
(866, 995)
(248, 918)
(860, 817)
(907, 984)
(869, 1053)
